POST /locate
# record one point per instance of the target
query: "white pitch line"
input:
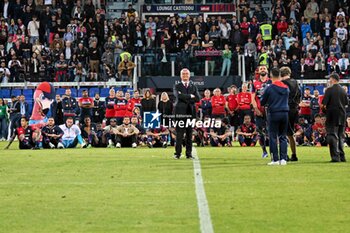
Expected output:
(203, 208)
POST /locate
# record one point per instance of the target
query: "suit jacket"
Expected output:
(184, 104)
(335, 101)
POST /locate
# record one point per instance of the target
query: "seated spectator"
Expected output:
(111, 132)
(221, 136)
(88, 131)
(126, 135)
(52, 135)
(71, 135)
(157, 137)
(298, 134)
(306, 139)
(347, 131)
(319, 132)
(28, 137)
(247, 134)
(141, 137)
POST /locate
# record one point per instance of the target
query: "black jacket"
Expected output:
(148, 105)
(165, 107)
(335, 101)
(294, 93)
(184, 104)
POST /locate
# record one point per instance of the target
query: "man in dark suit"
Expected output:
(186, 94)
(334, 104)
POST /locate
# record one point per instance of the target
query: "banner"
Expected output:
(202, 82)
(189, 8)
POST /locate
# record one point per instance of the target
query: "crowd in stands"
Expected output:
(68, 41)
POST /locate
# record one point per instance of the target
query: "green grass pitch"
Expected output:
(145, 190)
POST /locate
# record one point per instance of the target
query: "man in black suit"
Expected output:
(334, 104)
(186, 94)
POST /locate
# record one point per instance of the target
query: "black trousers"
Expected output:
(179, 140)
(126, 141)
(335, 139)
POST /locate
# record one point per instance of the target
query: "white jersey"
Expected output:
(341, 33)
(70, 133)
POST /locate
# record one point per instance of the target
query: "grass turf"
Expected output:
(144, 190)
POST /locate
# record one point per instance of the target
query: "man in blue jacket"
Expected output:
(275, 98)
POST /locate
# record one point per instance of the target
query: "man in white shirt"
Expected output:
(342, 33)
(33, 29)
(72, 135)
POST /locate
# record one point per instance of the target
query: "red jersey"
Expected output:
(27, 132)
(305, 110)
(282, 26)
(248, 128)
(320, 128)
(258, 89)
(244, 100)
(120, 107)
(232, 102)
(218, 105)
(297, 127)
(136, 102)
(245, 28)
(110, 102)
(129, 108)
(86, 101)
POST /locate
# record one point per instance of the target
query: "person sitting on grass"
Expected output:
(52, 135)
(71, 135)
(141, 137)
(99, 137)
(298, 133)
(111, 132)
(157, 137)
(88, 131)
(28, 137)
(247, 134)
(221, 136)
(126, 134)
(319, 132)
(347, 132)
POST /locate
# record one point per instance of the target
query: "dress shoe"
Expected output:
(294, 158)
